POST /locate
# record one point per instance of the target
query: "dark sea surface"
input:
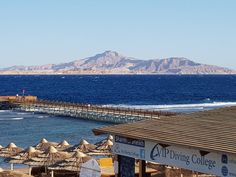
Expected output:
(181, 93)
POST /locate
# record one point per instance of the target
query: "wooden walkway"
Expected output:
(89, 112)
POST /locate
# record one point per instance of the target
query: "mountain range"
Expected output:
(111, 62)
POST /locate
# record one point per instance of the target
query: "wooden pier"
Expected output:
(87, 111)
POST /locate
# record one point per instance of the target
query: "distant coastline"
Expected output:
(113, 63)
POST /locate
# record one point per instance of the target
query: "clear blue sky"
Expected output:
(55, 31)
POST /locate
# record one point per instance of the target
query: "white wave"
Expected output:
(4, 110)
(180, 107)
(17, 118)
(22, 113)
(11, 119)
(41, 117)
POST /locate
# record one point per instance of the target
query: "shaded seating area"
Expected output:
(57, 159)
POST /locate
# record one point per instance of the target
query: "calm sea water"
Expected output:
(169, 93)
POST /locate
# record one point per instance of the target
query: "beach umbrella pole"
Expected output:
(12, 166)
(30, 169)
(52, 173)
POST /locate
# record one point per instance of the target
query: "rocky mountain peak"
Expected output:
(107, 55)
(114, 63)
(107, 59)
(111, 53)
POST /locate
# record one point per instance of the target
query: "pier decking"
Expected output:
(87, 111)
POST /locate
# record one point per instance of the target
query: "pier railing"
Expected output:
(89, 111)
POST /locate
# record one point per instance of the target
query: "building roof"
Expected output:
(213, 130)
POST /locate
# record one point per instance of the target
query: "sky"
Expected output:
(57, 31)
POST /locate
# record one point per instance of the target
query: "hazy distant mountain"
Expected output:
(111, 62)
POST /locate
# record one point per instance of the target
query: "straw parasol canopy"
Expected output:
(109, 137)
(105, 146)
(8, 173)
(63, 145)
(45, 144)
(21, 157)
(10, 150)
(73, 163)
(83, 146)
(49, 157)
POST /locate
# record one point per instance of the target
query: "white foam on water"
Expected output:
(22, 113)
(41, 117)
(4, 110)
(178, 107)
(11, 119)
(18, 118)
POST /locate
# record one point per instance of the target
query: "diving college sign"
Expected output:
(192, 159)
(206, 162)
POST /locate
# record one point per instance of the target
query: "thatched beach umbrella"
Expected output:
(105, 146)
(63, 145)
(9, 151)
(7, 173)
(21, 157)
(109, 137)
(45, 144)
(103, 149)
(72, 164)
(49, 157)
(83, 146)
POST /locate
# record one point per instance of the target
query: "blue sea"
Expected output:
(178, 93)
